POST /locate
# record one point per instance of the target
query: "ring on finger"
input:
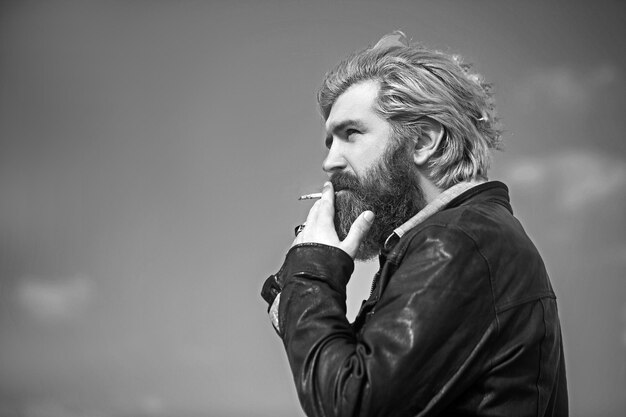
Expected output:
(299, 228)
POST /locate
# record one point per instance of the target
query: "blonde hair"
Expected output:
(418, 83)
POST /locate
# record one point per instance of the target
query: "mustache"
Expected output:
(344, 181)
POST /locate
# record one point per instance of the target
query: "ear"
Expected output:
(429, 142)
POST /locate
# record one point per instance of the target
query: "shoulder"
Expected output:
(483, 239)
(479, 223)
(444, 256)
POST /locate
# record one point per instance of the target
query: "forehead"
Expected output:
(356, 103)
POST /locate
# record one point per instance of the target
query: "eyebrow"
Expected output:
(341, 126)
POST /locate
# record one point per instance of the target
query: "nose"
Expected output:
(334, 161)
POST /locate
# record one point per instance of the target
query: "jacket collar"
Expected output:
(454, 196)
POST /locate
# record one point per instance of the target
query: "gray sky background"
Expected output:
(151, 154)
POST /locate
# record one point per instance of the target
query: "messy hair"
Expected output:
(417, 83)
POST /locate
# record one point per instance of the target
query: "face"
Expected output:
(356, 136)
(390, 189)
(369, 169)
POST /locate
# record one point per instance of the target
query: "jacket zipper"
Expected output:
(374, 282)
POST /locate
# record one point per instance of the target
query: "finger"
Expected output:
(327, 204)
(357, 233)
(299, 239)
(310, 222)
(328, 192)
(313, 213)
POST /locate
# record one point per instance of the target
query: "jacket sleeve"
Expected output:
(426, 339)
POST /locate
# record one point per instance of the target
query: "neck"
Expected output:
(430, 190)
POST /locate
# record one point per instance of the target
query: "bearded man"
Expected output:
(462, 318)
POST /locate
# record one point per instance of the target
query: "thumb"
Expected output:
(357, 233)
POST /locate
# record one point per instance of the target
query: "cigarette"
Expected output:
(311, 196)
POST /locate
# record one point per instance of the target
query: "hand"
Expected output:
(320, 226)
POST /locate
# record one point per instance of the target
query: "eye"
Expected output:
(350, 132)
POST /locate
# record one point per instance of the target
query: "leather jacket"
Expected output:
(462, 320)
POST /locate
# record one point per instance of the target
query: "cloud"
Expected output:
(569, 89)
(54, 299)
(574, 180)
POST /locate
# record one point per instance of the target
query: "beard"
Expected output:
(390, 189)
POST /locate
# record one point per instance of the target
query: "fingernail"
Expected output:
(327, 184)
(369, 216)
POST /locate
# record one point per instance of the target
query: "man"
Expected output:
(462, 319)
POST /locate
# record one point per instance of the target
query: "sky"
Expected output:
(151, 155)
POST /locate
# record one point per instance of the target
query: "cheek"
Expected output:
(367, 161)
